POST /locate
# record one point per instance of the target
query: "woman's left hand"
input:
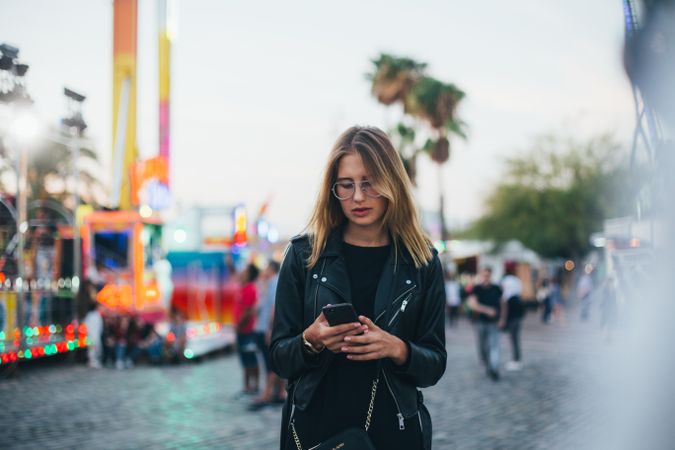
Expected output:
(375, 343)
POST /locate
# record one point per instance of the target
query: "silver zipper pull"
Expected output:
(404, 304)
(401, 424)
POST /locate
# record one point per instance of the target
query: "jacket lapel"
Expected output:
(397, 277)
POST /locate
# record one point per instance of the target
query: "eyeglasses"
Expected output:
(344, 190)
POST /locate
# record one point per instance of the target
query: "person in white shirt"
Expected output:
(511, 316)
(94, 323)
(452, 298)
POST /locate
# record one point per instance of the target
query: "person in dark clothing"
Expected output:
(144, 340)
(485, 301)
(365, 247)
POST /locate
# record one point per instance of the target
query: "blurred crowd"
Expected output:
(120, 340)
(495, 307)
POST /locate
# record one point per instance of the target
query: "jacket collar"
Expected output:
(395, 278)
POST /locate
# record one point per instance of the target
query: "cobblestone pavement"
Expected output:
(543, 406)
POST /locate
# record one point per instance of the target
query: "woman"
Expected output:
(364, 247)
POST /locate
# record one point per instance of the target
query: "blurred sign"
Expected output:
(115, 296)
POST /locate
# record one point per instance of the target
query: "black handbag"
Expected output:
(352, 438)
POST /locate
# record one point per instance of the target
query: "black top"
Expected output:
(491, 296)
(364, 266)
(341, 400)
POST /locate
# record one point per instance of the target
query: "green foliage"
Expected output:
(403, 80)
(553, 197)
(425, 99)
(389, 66)
(393, 77)
(433, 101)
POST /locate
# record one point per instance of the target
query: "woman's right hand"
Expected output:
(321, 335)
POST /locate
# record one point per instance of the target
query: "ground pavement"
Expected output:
(543, 406)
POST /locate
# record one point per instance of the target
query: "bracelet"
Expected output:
(309, 347)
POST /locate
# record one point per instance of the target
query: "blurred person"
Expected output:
(366, 247)
(122, 341)
(511, 316)
(555, 294)
(544, 298)
(162, 269)
(176, 338)
(274, 386)
(486, 303)
(132, 338)
(110, 325)
(452, 297)
(86, 295)
(245, 320)
(146, 341)
(94, 323)
(584, 292)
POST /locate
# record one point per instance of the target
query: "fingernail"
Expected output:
(349, 356)
(356, 325)
(344, 349)
(347, 338)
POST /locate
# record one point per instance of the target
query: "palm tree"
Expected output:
(393, 77)
(403, 80)
(435, 103)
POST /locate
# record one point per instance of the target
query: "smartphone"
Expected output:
(340, 313)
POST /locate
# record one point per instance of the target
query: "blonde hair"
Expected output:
(387, 174)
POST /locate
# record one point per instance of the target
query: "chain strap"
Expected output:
(372, 402)
(369, 416)
(295, 435)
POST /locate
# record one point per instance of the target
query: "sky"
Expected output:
(261, 89)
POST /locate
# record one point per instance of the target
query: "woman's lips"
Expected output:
(360, 212)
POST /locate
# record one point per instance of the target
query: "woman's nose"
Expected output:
(359, 196)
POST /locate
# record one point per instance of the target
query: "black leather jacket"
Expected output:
(409, 303)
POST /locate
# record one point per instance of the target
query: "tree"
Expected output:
(394, 77)
(554, 196)
(425, 99)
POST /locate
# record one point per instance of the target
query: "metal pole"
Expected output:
(22, 229)
(77, 262)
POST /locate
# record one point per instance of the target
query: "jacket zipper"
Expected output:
(395, 300)
(316, 293)
(401, 424)
(401, 309)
